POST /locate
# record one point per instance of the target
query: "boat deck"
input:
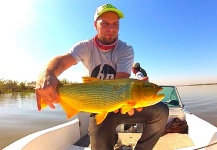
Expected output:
(167, 142)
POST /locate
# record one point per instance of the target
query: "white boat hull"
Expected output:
(62, 137)
(201, 134)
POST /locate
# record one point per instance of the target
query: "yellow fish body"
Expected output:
(104, 96)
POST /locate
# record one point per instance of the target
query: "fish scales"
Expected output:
(97, 95)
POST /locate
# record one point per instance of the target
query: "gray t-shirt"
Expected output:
(103, 64)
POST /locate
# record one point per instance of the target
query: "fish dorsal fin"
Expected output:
(100, 117)
(89, 79)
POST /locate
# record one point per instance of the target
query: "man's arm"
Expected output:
(59, 64)
(145, 78)
(122, 75)
(47, 81)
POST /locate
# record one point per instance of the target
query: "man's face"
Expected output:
(134, 70)
(107, 26)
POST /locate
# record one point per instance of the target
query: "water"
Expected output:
(19, 115)
(201, 101)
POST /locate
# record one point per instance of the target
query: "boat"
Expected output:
(73, 135)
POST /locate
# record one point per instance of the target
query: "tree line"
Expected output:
(10, 86)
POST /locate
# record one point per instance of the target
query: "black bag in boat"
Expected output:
(176, 126)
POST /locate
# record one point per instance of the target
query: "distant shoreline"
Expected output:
(199, 84)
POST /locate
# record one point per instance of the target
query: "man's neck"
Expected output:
(103, 46)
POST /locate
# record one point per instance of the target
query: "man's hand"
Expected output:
(46, 90)
(46, 86)
(131, 112)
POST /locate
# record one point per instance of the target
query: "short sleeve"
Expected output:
(125, 61)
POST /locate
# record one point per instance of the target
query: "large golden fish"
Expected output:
(104, 96)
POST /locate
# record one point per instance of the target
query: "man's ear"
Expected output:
(95, 26)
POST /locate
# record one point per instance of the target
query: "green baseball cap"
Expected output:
(105, 8)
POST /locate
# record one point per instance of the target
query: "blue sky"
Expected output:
(175, 41)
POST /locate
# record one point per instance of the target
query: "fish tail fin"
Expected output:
(43, 104)
(70, 112)
(100, 117)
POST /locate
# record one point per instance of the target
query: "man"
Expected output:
(105, 57)
(139, 72)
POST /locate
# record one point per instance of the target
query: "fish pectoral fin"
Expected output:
(126, 108)
(100, 117)
(89, 79)
(68, 110)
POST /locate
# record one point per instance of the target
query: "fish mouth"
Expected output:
(160, 89)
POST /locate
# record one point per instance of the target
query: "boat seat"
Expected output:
(174, 112)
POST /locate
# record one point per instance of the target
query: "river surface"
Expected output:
(19, 115)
